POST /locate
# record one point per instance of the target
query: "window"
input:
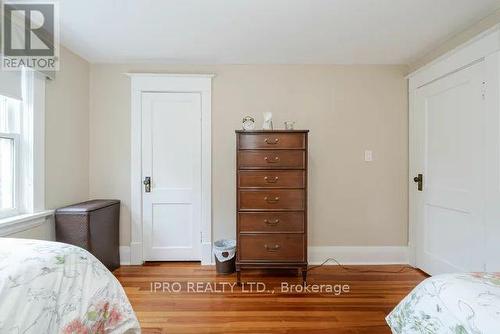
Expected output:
(22, 145)
(10, 126)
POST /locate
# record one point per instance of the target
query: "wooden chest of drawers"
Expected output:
(271, 181)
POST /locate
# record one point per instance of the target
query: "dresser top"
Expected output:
(272, 131)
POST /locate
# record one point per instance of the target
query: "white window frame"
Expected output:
(33, 141)
(30, 159)
(16, 195)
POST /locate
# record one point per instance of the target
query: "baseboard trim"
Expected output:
(351, 255)
(125, 255)
(359, 255)
(136, 253)
(206, 254)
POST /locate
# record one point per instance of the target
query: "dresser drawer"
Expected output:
(269, 159)
(272, 247)
(271, 222)
(271, 179)
(272, 141)
(271, 200)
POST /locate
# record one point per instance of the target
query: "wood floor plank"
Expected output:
(373, 293)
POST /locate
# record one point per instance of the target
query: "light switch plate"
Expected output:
(368, 155)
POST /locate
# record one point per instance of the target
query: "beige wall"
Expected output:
(457, 39)
(67, 133)
(347, 108)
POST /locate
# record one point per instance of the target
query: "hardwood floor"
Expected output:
(194, 309)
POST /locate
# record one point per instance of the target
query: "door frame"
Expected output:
(483, 47)
(170, 83)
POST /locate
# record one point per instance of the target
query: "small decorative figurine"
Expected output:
(268, 121)
(289, 125)
(248, 123)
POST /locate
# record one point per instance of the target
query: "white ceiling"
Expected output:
(264, 31)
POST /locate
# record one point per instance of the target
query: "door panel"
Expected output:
(171, 156)
(449, 145)
(173, 147)
(181, 225)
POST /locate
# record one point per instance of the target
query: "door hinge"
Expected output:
(483, 90)
(201, 236)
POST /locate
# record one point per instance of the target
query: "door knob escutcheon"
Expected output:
(419, 179)
(147, 184)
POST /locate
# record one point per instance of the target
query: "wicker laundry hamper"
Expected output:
(94, 226)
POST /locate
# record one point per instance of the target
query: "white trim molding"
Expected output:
(347, 255)
(32, 166)
(23, 222)
(124, 255)
(352, 255)
(164, 82)
(206, 253)
(136, 252)
(479, 47)
(170, 75)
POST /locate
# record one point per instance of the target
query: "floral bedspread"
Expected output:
(50, 287)
(451, 303)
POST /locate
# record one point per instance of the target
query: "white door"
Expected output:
(448, 131)
(171, 158)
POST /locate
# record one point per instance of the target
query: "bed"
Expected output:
(51, 287)
(451, 303)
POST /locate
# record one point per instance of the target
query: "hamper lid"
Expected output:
(88, 206)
